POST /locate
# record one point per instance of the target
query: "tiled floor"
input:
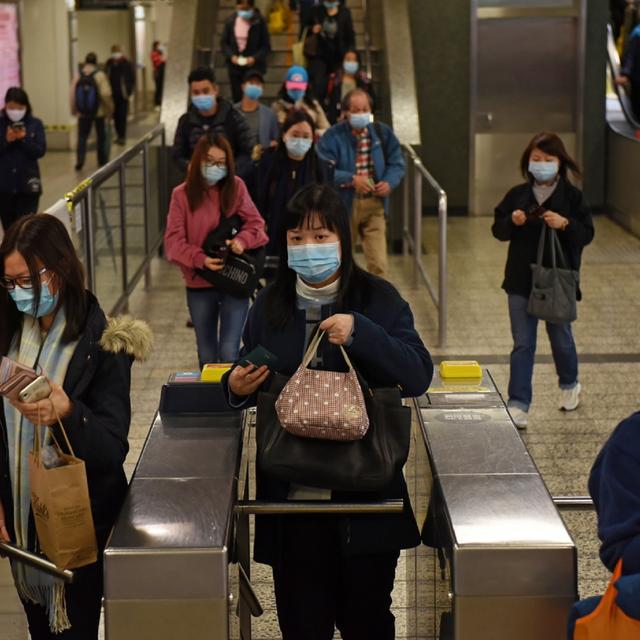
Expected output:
(563, 445)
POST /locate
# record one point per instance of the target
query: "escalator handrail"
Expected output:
(613, 60)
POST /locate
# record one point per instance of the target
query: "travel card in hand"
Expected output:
(259, 357)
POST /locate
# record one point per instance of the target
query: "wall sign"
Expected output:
(9, 49)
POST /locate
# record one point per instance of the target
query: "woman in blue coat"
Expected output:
(22, 143)
(331, 570)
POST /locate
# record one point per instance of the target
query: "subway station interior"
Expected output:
(509, 532)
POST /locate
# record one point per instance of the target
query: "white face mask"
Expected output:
(15, 115)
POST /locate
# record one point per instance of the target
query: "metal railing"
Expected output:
(573, 503)
(415, 177)
(367, 41)
(116, 219)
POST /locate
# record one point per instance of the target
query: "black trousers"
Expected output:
(318, 588)
(120, 113)
(320, 68)
(236, 74)
(84, 129)
(635, 100)
(159, 78)
(16, 205)
(83, 598)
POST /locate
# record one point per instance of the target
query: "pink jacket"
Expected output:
(187, 230)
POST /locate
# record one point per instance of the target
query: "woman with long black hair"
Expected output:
(331, 570)
(283, 171)
(50, 323)
(22, 144)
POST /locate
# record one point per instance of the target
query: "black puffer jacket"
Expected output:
(566, 200)
(227, 121)
(98, 383)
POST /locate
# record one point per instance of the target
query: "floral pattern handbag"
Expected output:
(326, 405)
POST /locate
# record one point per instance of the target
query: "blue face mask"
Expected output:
(203, 103)
(25, 299)
(315, 263)
(359, 120)
(253, 91)
(246, 14)
(543, 171)
(296, 94)
(331, 5)
(298, 147)
(214, 174)
(350, 67)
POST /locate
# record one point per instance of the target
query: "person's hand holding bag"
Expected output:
(339, 328)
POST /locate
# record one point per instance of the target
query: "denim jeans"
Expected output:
(524, 329)
(218, 319)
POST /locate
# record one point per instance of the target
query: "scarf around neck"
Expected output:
(45, 352)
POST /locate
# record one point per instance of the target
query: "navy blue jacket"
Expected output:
(19, 159)
(614, 485)
(566, 200)
(339, 146)
(98, 383)
(387, 351)
(277, 180)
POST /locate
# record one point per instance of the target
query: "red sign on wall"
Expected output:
(9, 49)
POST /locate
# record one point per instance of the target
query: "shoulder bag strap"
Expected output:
(556, 244)
(543, 233)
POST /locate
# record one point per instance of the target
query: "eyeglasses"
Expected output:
(221, 164)
(24, 282)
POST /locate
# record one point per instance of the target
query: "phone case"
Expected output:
(37, 390)
(14, 377)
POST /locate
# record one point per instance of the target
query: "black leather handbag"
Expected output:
(368, 464)
(241, 273)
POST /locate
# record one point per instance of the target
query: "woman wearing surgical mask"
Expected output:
(22, 143)
(50, 323)
(211, 191)
(351, 76)
(296, 94)
(285, 170)
(546, 198)
(245, 44)
(331, 570)
(331, 28)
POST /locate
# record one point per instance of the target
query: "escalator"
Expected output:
(620, 116)
(623, 149)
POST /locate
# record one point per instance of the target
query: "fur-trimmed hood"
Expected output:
(128, 335)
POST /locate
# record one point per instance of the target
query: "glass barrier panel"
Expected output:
(107, 242)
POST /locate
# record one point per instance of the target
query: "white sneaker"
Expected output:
(520, 418)
(570, 398)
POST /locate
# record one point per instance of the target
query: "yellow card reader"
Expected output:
(460, 369)
(214, 372)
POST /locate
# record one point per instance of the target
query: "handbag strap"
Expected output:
(557, 246)
(312, 349)
(543, 233)
(36, 437)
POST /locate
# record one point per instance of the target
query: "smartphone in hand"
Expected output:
(39, 389)
(259, 357)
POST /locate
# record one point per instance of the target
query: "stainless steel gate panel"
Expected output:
(461, 393)
(474, 441)
(191, 452)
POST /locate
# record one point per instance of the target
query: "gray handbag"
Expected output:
(553, 294)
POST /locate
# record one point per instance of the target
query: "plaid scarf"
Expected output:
(48, 353)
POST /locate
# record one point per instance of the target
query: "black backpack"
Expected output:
(241, 273)
(87, 95)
